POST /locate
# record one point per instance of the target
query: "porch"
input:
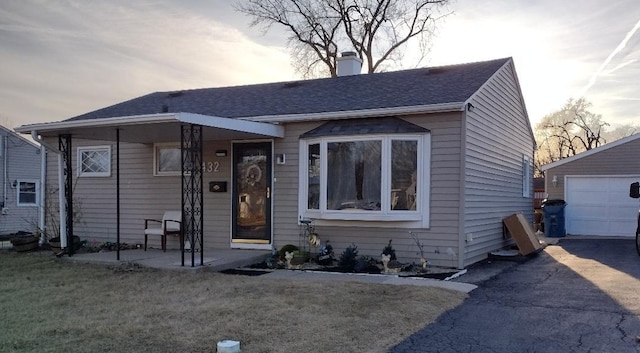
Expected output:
(145, 194)
(213, 260)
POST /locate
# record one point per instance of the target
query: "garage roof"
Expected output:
(588, 153)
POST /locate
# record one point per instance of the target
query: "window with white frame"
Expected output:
(28, 191)
(94, 161)
(167, 159)
(527, 176)
(376, 178)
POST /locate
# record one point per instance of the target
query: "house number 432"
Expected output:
(211, 167)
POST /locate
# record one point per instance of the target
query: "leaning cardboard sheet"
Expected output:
(520, 230)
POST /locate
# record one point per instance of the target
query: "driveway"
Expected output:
(582, 295)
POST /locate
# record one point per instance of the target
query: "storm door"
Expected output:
(251, 223)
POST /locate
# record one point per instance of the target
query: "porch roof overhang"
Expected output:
(164, 127)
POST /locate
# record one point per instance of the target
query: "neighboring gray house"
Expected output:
(595, 185)
(20, 167)
(443, 152)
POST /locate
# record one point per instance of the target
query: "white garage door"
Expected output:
(600, 205)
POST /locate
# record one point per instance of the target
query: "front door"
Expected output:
(251, 193)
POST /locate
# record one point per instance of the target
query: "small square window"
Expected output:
(94, 161)
(28, 192)
(167, 159)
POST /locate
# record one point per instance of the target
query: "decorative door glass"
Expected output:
(252, 193)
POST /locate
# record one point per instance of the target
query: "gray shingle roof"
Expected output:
(380, 125)
(426, 86)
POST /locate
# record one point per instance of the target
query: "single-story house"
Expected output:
(595, 185)
(442, 152)
(22, 183)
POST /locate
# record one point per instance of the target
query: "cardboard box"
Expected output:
(521, 232)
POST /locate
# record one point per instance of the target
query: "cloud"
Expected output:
(611, 56)
(557, 47)
(72, 57)
(62, 58)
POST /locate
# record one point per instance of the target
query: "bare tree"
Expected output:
(567, 132)
(376, 30)
(621, 131)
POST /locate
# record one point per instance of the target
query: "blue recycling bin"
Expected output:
(554, 218)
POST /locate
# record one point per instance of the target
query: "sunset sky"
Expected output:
(62, 58)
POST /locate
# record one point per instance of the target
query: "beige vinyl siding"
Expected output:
(144, 195)
(618, 160)
(497, 138)
(285, 186)
(217, 205)
(491, 176)
(23, 162)
(440, 240)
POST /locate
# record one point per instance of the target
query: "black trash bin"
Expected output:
(554, 218)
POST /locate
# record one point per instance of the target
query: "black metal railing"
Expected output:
(64, 145)
(192, 205)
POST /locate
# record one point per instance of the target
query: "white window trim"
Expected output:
(156, 172)
(93, 148)
(418, 218)
(527, 176)
(23, 204)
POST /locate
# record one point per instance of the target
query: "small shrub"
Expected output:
(301, 256)
(285, 249)
(389, 250)
(366, 264)
(347, 261)
(273, 261)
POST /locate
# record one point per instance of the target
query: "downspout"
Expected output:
(43, 192)
(4, 170)
(61, 187)
(462, 238)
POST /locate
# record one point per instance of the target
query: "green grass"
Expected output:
(50, 305)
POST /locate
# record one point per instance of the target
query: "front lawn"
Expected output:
(50, 305)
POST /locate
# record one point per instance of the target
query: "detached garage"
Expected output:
(595, 185)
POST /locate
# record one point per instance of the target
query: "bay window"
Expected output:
(369, 178)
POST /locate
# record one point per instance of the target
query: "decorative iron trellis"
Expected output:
(192, 215)
(64, 145)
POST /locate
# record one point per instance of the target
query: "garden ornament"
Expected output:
(288, 256)
(314, 240)
(389, 265)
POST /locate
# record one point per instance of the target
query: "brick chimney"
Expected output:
(348, 64)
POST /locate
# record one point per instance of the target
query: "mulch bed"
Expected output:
(244, 272)
(434, 272)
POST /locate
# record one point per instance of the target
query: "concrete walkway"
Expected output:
(214, 260)
(224, 259)
(370, 278)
